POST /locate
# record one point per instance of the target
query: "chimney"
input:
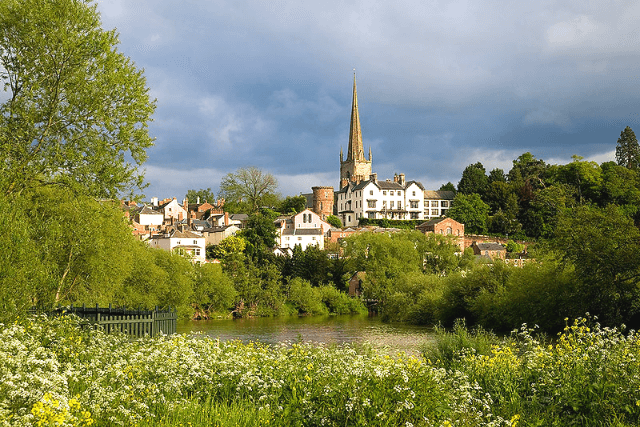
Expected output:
(402, 179)
(198, 200)
(373, 177)
(395, 177)
(226, 218)
(185, 204)
(154, 201)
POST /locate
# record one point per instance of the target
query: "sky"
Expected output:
(441, 85)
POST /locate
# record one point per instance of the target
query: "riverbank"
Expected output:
(56, 372)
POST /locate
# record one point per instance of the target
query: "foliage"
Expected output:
(250, 186)
(628, 150)
(334, 221)
(260, 235)
(603, 246)
(450, 347)
(588, 376)
(514, 247)
(305, 298)
(470, 210)
(474, 180)
(447, 187)
(293, 204)
(213, 290)
(228, 245)
(403, 224)
(204, 195)
(77, 110)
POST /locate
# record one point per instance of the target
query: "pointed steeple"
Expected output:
(356, 150)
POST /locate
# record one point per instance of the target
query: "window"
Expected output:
(444, 204)
(299, 238)
(449, 231)
(371, 203)
(434, 203)
(372, 215)
(399, 204)
(391, 193)
(348, 218)
(371, 192)
(414, 215)
(414, 193)
(195, 242)
(384, 204)
(198, 252)
(313, 237)
(384, 193)
(391, 204)
(434, 212)
(413, 204)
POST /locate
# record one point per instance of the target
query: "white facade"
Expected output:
(186, 242)
(305, 228)
(437, 203)
(381, 200)
(150, 218)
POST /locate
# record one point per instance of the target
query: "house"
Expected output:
(337, 234)
(184, 242)
(355, 283)
(489, 250)
(239, 219)
(437, 203)
(375, 199)
(214, 235)
(170, 209)
(304, 229)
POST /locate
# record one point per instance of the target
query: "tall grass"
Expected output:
(56, 373)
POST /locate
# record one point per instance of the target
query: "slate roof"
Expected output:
(490, 246)
(440, 195)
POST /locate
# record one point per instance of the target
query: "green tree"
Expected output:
(474, 180)
(602, 245)
(260, 236)
(77, 109)
(229, 245)
(447, 187)
(471, 211)
(628, 150)
(334, 221)
(204, 195)
(249, 186)
(213, 290)
(293, 204)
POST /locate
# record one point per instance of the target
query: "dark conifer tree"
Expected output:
(628, 150)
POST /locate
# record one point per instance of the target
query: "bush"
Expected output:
(451, 347)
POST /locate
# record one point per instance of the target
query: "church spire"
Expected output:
(356, 150)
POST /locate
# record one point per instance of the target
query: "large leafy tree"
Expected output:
(474, 180)
(471, 211)
(249, 186)
(77, 109)
(628, 150)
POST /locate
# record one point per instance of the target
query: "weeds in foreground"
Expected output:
(55, 373)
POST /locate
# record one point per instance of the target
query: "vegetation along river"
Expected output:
(355, 329)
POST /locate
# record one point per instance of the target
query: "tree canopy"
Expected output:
(249, 186)
(628, 150)
(77, 110)
(204, 195)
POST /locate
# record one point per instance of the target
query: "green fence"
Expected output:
(136, 323)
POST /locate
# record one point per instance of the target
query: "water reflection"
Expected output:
(390, 338)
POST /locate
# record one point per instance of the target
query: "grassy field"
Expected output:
(55, 373)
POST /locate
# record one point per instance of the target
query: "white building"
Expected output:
(437, 203)
(185, 242)
(375, 199)
(305, 228)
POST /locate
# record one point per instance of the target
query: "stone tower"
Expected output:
(355, 168)
(323, 201)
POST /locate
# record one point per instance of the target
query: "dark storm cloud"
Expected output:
(441, 84)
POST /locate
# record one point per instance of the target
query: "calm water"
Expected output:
(390, 338)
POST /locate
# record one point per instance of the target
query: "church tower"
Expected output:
(355, 168)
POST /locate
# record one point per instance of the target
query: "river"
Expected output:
(355, 329)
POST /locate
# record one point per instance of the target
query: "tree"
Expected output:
(628, 150)
(293, 204)
(248, 185)
(474, 180)
(203, 195)
(471, 211)
(228, 245)
(77, 109)
(447, 187)
(334, 221)
(260, 236)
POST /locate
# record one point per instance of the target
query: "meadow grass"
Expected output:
(56, 373)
